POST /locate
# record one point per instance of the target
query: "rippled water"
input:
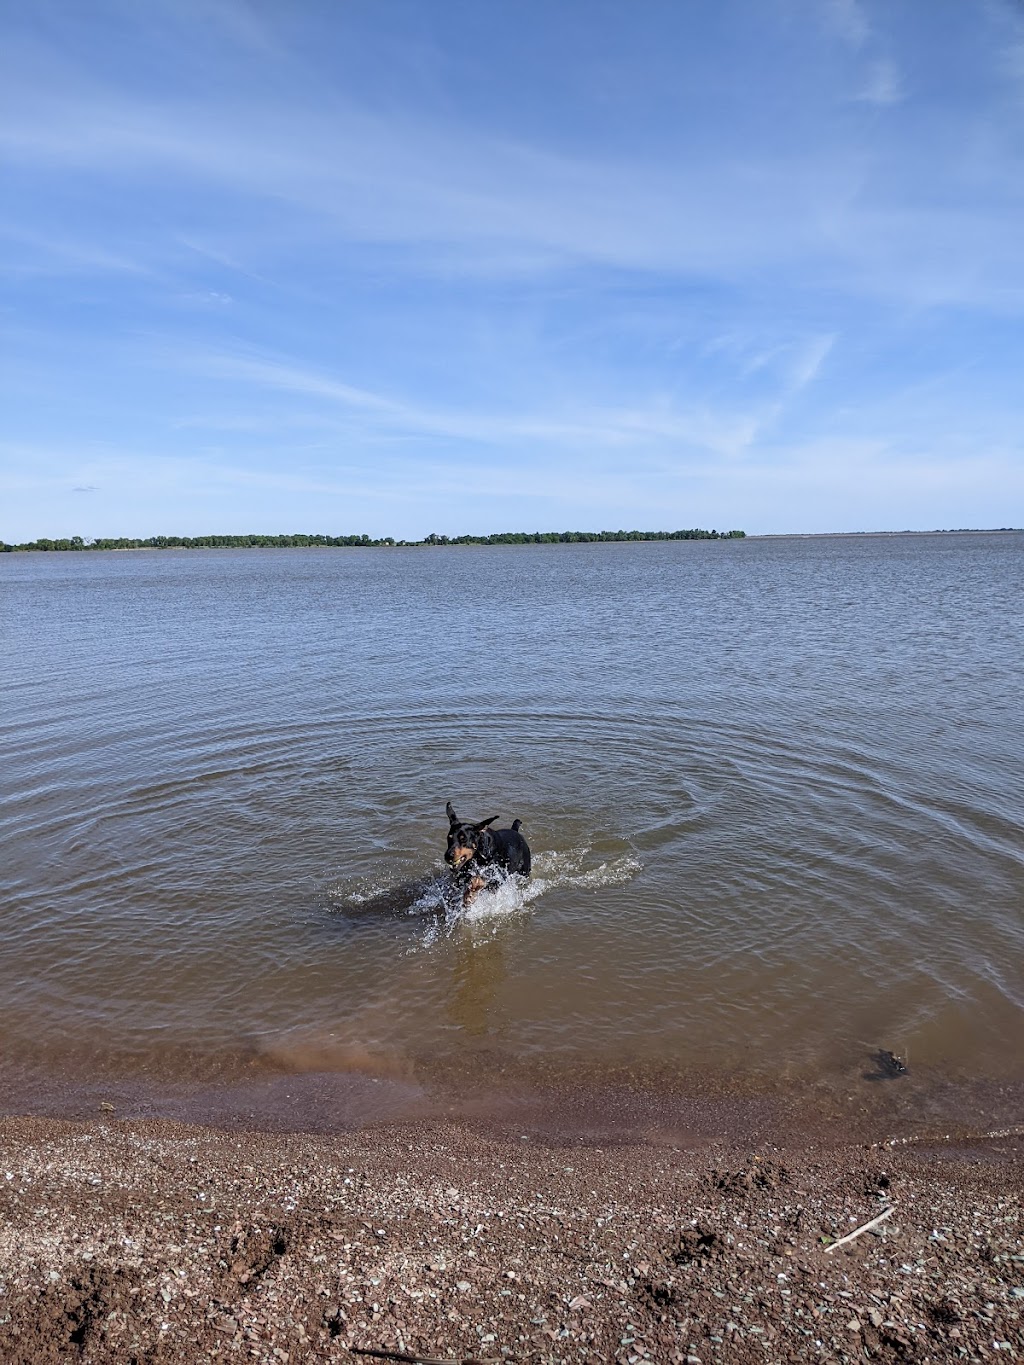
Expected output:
(773, 790)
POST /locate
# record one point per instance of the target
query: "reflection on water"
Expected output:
(478, 976)
(772, 789)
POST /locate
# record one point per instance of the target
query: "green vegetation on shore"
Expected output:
(279, 542)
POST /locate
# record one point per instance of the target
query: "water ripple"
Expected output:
(773, 800)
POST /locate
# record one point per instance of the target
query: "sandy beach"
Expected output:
(153, 1241)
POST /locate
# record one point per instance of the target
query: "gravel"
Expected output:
(156, 1242)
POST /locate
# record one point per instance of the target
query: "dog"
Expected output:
(480, 857)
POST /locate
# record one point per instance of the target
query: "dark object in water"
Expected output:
(480, 856)
(888, 1066)
(893, 1064)
(394, 901)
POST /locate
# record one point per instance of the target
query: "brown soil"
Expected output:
(154, 1242)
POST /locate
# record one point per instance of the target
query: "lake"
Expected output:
(773, 789)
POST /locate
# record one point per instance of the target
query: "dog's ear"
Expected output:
(482, 824)
(453, 819)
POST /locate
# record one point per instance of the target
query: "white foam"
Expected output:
(569, 870)
(512, 896)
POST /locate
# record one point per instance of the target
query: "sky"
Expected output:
(399, 268)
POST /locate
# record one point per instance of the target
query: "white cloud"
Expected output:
(884, 84)
(593, 426)
(809, 360)
(446, 197)
(42, 253)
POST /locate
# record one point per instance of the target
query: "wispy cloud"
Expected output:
(592, 426)
(847, 19)
(881, 81)
(809, 361)
(469, 200)
(284, 259)
(884, 84)
(44, 254)
(392, 180)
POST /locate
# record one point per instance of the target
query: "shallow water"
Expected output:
(772, 788)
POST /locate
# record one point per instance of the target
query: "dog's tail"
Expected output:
(515, 826)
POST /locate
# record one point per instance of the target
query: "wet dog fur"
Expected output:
(480, 856)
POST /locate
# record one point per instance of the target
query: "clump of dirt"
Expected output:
(697, 1244)
(256, 1251)
(759, 1173)
(68, 1317)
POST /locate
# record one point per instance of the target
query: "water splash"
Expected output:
(569, 869)
(513, 895)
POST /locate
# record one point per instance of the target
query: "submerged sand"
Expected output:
(159, 1242)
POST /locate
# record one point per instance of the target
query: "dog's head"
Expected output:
(466, 841)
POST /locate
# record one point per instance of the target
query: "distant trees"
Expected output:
(193, 542)
(574, 537)
(283, 541)
(67, 543)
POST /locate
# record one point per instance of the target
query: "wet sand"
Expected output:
(138, 1241)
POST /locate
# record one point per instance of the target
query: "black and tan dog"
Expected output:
(480, 856)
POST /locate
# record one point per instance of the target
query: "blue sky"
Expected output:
(472, 266)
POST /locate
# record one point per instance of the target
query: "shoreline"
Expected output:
(156, 1241)
(608, 1107)
(835, 535)
(634, 1101)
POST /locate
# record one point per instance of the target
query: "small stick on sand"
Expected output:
(864, 1227)
(419, 1360)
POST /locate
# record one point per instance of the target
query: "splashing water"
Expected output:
(555, 870)
(513, 894)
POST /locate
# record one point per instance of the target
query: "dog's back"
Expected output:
(513, 852)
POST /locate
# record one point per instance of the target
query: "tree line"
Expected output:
(572, 537)
(283, 541)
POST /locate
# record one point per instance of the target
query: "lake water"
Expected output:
(773, 790)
